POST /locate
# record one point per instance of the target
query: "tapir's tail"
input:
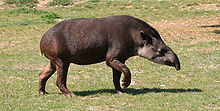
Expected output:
(41, 53)
(41, 48)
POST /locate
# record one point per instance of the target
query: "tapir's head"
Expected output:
(154, 49)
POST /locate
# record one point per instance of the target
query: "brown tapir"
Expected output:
(111, 39)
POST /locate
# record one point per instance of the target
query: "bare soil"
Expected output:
(198, 29)
(1, 3)
(202, 7)
(42, 3)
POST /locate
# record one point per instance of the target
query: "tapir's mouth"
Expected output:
(176, 65)
(169, 63)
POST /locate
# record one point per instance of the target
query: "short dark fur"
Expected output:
(86, 41)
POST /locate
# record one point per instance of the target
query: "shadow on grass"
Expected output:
(135, 91)
(211, 26)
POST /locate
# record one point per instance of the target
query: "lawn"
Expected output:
(189, 27)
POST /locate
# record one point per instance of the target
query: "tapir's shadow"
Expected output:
(135, 91)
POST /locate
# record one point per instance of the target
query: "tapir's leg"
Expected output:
(44, 76)
(62, 69)
(119, 66)
(116, 80)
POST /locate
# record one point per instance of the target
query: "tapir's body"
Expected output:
(91, 40)
(87, 40)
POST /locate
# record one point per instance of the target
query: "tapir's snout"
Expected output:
(177, 64)
(172, 60)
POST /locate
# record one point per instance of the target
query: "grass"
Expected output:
(60, 2)
(154, 87)
(49, 17)
(20, 1)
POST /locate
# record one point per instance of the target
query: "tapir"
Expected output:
(112, 39)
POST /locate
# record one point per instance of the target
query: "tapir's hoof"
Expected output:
(125, 84)
(120, 92)
(43, 92)
(70, 95)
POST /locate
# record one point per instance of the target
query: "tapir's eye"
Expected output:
(146, 37)
(162, 51)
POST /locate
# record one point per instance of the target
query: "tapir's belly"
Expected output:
(88, 57)
(84, 53)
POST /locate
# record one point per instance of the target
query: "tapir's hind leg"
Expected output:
(62, 69)
(45, 75)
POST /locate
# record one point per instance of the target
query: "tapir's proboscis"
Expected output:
(111, 39)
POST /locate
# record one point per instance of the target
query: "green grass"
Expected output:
(154, 87)
(20, 1)
(60, 2)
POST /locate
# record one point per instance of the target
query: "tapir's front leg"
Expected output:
(116, 80)
(119, 66)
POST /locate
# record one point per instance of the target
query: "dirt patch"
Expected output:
(79, 2)
(1, 3)
(17, 78)
(200, 29)
(6, 44)
(129, 6)
(30, 67)
(202, 7)
(42, 3)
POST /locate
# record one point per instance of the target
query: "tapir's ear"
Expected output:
(146, 37)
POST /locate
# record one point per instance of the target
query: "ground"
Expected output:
(42, 3)
(190, 27)
(200, 29)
